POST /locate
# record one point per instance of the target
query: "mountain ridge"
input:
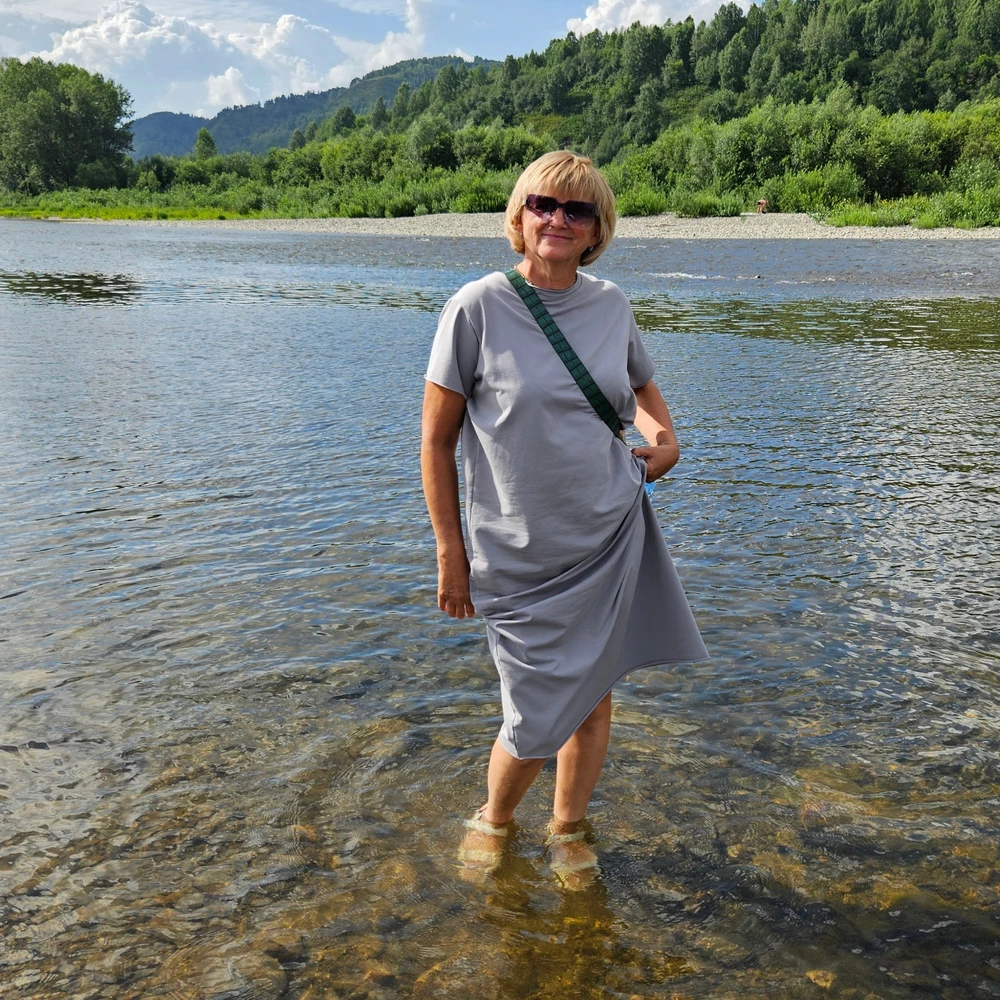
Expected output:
(256, 128)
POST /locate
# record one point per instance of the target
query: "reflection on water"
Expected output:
(955, 324)
(84, 288)
(238, 739)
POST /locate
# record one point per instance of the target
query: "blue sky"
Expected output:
(199, 56)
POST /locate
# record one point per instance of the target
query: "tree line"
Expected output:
(817, 105)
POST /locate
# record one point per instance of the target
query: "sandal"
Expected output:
(575, 868)
(481, 850)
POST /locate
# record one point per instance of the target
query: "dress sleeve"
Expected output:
(455, 352)
(640, 364)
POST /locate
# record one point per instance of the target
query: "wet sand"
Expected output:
(750, 226)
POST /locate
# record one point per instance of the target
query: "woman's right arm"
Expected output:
(444, 412)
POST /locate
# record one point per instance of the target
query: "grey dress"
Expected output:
(569, 566)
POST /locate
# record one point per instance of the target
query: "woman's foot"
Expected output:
(482, 847)
(570, 858)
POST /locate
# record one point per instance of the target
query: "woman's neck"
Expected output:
(553, 274)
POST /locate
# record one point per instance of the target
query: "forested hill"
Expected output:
(256, 128)
(604, 92)
(607, 91)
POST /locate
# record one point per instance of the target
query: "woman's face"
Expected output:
(555, 240)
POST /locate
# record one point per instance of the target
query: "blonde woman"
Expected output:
(563, 555)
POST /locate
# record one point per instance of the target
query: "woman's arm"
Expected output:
(654, 423)
(444, 411)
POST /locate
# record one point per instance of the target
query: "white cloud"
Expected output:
(171, 63)
(230, 89)
(607, 15)
(396, 46)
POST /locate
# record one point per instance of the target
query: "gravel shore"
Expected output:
(773, 226)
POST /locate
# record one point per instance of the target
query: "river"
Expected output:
(237, 738)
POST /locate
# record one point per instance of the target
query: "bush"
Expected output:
(813, 190)
(399, 205)
(363, 155)
(485, 194)
(983, 206)
(882, 213)
(979, 174)
(641, 201)
(431, 142)
(706, 203)
(497, 148)
(192, 172)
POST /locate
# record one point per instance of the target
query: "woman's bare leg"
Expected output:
(507, 780)
(578, 766)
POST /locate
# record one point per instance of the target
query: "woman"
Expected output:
(564, 558)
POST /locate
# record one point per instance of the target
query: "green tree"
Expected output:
(55, 120)
(556, 89)
(900, 83)
(646, 121)
(297, 141)
(364, 155)
(734, 61)
(401, 102)
(421, 99)
(204, 145)
(343, 119)
(706, 69)
(379, 116)
(430, 141)
(643, 52)
(446, 85)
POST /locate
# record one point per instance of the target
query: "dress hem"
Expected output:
(512, 750)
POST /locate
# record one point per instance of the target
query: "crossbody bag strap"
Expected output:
(569, 357)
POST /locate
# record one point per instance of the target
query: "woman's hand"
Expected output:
(453, 586)
(653, 420)
(660, 459)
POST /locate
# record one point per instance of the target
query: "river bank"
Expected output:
(795, 226)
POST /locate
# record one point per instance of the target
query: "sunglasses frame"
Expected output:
(572, 218)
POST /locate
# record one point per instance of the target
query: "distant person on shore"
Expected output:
(563, 556)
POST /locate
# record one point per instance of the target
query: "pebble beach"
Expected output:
(749, 226)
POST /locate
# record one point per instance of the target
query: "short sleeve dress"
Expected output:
(568, 563)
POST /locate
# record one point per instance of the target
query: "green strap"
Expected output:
(569, 357)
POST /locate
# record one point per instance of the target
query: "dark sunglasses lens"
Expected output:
(541, 203)
(580, 210)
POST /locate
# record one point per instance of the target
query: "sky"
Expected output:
(199, 56)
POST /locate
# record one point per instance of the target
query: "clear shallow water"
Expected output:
(238, 738)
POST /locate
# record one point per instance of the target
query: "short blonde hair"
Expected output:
(569, 174)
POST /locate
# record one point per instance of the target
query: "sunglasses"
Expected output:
(576, 213)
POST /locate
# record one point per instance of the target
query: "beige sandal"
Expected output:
(478, 856)
(577, 874)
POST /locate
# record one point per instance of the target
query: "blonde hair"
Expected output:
(568, 174)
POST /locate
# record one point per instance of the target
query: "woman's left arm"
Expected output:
(654, 423)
